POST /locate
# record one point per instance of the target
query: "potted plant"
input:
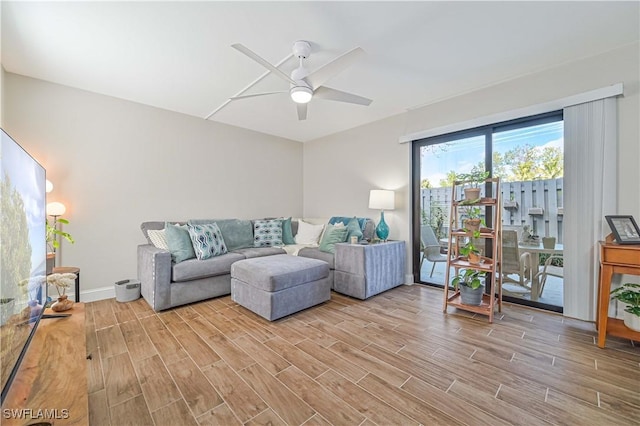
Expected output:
(472, 181)
(470, 251)
(629, 294)
(473, 218)
(52, 235)
(471, 286)
(62, 282)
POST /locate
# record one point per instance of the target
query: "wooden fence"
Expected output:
(534, 203)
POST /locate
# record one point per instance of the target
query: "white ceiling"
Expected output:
(177, 55)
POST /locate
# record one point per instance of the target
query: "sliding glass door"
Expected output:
(527, 155)
(439, 161)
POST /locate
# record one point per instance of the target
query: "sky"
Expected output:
(28, 178)
(463, 154)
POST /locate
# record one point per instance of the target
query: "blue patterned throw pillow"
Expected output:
(267, 233)
(207, 240)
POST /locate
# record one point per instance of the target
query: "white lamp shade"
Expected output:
(56, 209)
(48, 186)
(382, 199)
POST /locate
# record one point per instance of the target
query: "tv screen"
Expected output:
(22, 254)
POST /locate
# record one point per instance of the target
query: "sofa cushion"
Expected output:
(332, 235)
(207, 240)
(252, 252)
(179, 242)
(315, 253)
(293, 249)
(194, 269)
(267, 233)
(362, 221)
(237, 233)
(158, 238)
(287, 231)
(354, 229)
(157, 225)
(275, 273)
(308, 233)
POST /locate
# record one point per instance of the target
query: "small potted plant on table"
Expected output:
(629, 294)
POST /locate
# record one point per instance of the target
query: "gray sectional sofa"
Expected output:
(166, 284)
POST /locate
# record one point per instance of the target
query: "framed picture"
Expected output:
(624, 228)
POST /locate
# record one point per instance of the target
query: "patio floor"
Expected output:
(552, 294)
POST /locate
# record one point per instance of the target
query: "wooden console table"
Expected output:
(51, 383)
(614, 259)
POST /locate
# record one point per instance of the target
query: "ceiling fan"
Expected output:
(305, 85)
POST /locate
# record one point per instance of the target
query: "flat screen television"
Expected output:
(23, 254)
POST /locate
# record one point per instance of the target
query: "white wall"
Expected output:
(115, 164)
(340, 169)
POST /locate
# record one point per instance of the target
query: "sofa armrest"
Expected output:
(154, 273)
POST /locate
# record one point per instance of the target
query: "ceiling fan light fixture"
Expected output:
(301, 94)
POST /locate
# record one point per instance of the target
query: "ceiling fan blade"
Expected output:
(302, 111)
(318, 77)
(340, 96)
(233, 98)
(262, 62)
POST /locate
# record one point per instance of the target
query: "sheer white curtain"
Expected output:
(590, 158)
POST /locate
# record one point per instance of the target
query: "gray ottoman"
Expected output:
(277, 286)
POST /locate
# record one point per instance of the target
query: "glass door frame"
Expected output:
(487, 131)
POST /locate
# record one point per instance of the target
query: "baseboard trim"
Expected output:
(97, 294)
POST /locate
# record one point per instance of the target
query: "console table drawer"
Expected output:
(621, 256)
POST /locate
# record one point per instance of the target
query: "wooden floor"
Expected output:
(394, 359)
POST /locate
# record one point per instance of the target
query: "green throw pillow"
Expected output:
(354, 229)
(287, 232)
(179, 242)
(333, 235)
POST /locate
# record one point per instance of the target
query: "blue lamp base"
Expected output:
(382, 230)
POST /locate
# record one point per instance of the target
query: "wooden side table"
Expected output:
(614, 259)
(70, 270)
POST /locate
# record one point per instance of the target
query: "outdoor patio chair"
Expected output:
(430, 248)
(549, 270)
(516, 268)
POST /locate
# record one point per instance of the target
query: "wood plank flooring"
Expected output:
(394, 359)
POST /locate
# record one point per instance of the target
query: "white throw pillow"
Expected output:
(308, 233)
(158, 239)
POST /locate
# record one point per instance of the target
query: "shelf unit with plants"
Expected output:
(466, 258)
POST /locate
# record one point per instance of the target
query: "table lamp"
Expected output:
(383, 200)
